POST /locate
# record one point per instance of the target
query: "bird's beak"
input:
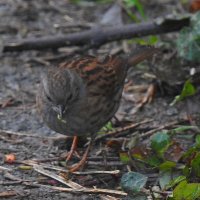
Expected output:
(61, 111)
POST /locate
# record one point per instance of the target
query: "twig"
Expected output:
(99, 158)
(108, 197)
(7, 194)
(13, 141)
(97, 172)
(74, 187)
(148, 96)
(40, 61)
(36, 161)
(60, 179)
(79, 191)
(96, 158)
(99, 35)
(5, 169)
(12, 177)
(10, 182)
(102, 164)
(148, 133)
(33, 163)
(8, 132)
(113, 172)
(118, 132)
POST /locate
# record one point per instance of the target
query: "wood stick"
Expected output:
(98, 36)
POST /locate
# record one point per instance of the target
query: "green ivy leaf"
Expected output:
(183, 128)
(139, 7)
(106, 128)
(124, 157)
(164, 178)
(153, 161)
(187, 191)
(189, 152)
(167, 165)
(197, 140)
(160, 142)
(133, 182)
(188, 42)
(196, 165)
(176, 181)
(188, 90)
(186, 171)
(153, 39)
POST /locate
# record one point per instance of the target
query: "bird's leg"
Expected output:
(83, 159)
(73, 148)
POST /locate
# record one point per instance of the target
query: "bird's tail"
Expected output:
(141, 53)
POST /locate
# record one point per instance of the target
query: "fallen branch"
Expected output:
(120, 131)
(98, 36)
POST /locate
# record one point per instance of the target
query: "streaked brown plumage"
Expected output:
(89, 89)
(82, 95)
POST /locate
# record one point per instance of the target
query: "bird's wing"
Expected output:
(101, 76)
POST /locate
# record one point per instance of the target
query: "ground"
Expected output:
(19, 80)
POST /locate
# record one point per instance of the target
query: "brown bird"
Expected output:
(80, 96)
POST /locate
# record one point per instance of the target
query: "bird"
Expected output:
(79, 96)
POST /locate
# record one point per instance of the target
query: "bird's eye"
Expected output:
(48, 98)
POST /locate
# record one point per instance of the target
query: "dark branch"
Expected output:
(99, 35)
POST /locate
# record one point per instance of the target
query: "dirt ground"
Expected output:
(23, 133)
